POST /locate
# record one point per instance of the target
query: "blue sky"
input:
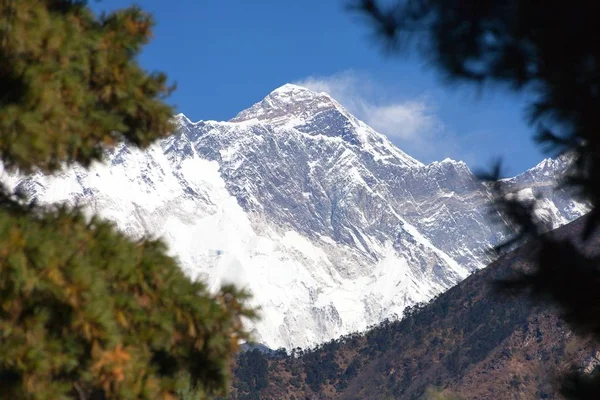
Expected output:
(226, 55)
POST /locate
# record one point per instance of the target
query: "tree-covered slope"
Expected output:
(470, 341)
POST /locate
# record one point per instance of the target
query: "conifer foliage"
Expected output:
(86, 312)
(69, 82)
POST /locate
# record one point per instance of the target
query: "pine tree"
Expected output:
(550, 50)
(86, 312)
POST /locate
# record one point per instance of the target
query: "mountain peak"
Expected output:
(295, 107)
(290, 88)
(290, 105)
(181, 118)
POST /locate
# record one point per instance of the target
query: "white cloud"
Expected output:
(412, 124)
(408, 120)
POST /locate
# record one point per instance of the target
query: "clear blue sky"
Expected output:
(226, 55)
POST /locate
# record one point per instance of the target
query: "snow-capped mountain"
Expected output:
(555, 206)
(329, 225)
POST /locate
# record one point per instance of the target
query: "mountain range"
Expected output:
(329, 225)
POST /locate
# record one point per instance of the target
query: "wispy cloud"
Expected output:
(412, 124)
(410, 120)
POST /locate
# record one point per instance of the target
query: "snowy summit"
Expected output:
(324, 220)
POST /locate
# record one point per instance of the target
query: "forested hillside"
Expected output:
(470, 342)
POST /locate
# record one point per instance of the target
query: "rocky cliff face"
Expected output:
(329, 225)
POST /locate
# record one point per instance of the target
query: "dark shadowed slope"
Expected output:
(470, 341)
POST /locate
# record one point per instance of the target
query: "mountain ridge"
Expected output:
(324, 220)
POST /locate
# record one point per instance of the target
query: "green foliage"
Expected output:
(70, 81)
(320, 365)
(85, 309)
(252, 371)
(85, 312)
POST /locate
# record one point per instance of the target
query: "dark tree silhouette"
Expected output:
(551, 50)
